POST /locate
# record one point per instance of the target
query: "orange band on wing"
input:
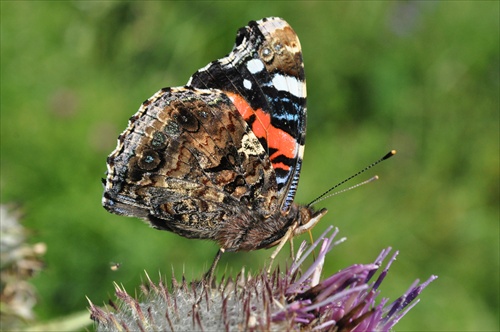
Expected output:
(276, 138)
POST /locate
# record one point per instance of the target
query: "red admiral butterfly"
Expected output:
(220, 158)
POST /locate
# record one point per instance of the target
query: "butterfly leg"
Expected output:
(288, 236)
(208, 277)
(294, 230)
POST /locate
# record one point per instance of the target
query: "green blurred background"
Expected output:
(421, 77)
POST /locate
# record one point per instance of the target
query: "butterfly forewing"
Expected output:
(264, 77)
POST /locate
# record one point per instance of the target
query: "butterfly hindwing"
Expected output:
(195, 164)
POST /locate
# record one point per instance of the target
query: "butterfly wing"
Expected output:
(264, 78)
(220, 158)
(188, 163)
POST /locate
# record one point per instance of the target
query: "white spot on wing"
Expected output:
(254, 66)
(301, 151)
(247, 84)
(250, 145)
(272, 24)
(289, 84)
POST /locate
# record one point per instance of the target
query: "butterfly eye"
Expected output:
(159, 140)
(149, 160)
(186, 120)
(172, 129)
(266, 53)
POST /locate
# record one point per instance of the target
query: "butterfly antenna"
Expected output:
(325, 194)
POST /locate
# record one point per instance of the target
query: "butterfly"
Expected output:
(220, 157)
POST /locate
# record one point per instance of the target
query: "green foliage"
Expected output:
(420, 77)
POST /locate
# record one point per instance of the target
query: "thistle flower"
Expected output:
(19, 261)
(281, 301)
